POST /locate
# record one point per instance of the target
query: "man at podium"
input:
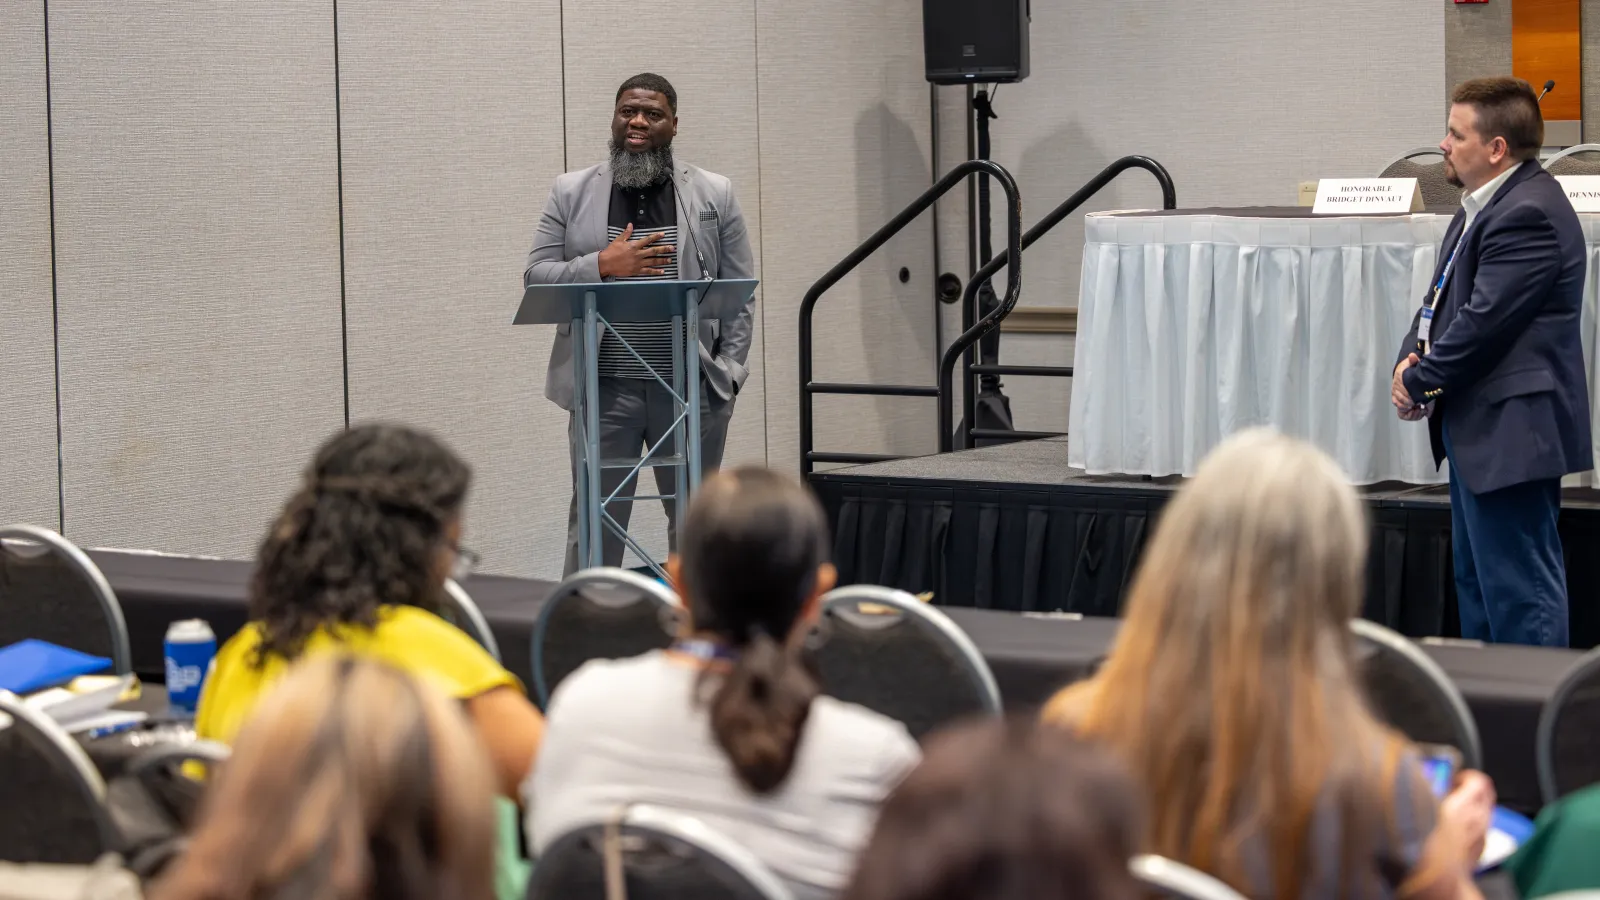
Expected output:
(633, 217)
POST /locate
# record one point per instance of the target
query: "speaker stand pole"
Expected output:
(989, 346)
(990, 409)
(934, 174)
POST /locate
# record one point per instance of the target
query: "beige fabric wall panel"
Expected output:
(1240, 99)
(1591, 71)
(952, 210)
(28, 476)
(844, 147)
(452, 134)
(716, 83)
(197, 265)
(1477, 42)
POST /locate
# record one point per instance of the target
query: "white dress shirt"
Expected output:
(1474, 201)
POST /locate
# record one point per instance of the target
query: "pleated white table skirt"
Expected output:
(1192, 327)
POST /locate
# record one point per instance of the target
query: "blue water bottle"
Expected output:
(190, 647)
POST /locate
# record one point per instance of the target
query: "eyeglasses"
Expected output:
(466, 562)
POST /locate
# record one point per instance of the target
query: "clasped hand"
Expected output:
(1409, 411)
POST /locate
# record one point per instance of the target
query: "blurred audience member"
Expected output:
(1005, 811)
(356, 563)
(353, 781)
(727, 725)
(1560, 858)
(1232, 693)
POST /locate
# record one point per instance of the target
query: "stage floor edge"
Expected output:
(1013, 527)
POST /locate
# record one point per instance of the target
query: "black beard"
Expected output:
(640, 170)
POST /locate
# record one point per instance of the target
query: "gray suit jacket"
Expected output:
(572, 232)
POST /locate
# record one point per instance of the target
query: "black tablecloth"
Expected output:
(1031, 655)
(1505, 686)
(156, 590)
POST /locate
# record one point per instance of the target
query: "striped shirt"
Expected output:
(653, 210)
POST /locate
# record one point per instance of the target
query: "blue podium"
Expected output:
(591, 309)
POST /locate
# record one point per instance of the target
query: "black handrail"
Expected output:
(1169, 200)
(1013, 258)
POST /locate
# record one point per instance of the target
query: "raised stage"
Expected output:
(1014, 527)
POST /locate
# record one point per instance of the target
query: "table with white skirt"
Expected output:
(1195, 324)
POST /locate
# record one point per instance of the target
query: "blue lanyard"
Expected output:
(1450, 264)
(705, 651)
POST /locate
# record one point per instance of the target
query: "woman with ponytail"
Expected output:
(728, 725)
(356, 564)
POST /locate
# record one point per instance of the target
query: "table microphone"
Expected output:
(1548, 87)
(704, 272)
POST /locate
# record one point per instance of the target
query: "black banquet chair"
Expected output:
(600, 613)
(155, 799)
(1568, 743)
(888, 651)
(1426, 165)
(52, 799)
(463, 612)
(52, 591)
(659, 855)
(1409, 691)
(1583, 159)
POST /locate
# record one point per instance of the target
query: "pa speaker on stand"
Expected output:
(970, 41)
(980, 44)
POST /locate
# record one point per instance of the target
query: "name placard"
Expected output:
(1583, 191)
(1343, 196)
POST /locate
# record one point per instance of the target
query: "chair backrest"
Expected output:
(52, 799)
(1169, 878)
(890, 652)
(1409, 691)
(1568, 744)
(52, 591)
(601, 613)
(1426, 165)
(206, 753)
(1581, 159)
(463, 612)
(665, 856)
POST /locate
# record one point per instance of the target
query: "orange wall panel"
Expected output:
(1546, 43)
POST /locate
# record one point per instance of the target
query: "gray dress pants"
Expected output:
(634, 414)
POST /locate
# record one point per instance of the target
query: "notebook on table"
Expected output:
(29, 665)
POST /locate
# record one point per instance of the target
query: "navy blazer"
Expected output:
(1506, 367)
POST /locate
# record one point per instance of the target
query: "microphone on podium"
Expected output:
(1548, 87)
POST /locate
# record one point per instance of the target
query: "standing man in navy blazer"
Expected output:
(1494, 361)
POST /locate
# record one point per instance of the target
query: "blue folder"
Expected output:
(29, 665)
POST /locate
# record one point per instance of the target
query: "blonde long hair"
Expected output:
(1232, 689)
(351, 781)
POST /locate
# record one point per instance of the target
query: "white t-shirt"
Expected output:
(631, 731)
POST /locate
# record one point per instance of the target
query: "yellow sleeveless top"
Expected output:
(405, 637)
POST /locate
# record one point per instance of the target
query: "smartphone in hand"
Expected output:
(1440, 763)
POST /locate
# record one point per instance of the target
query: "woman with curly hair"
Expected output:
(356, 564)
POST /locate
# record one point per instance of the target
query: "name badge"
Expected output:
(1350, 196)
(1583, 191)
(1425, 324)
